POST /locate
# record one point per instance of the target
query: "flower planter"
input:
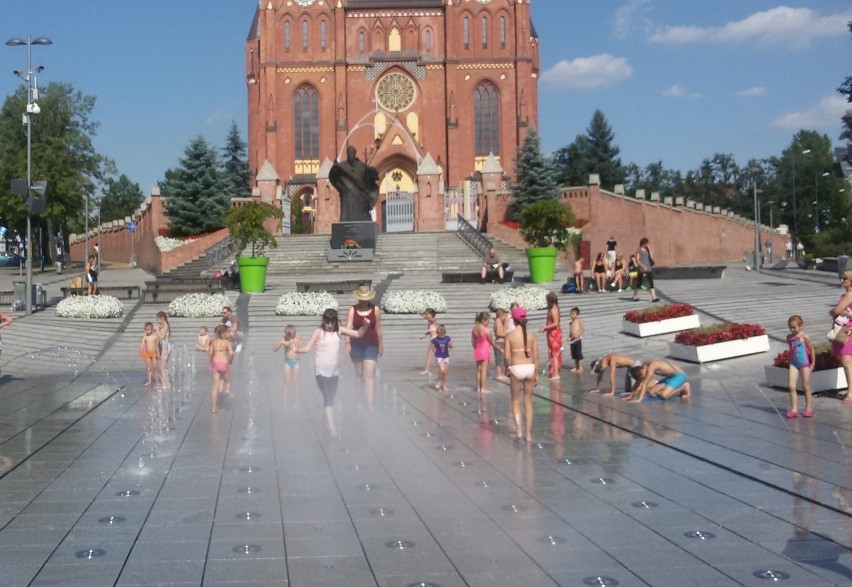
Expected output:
(252, 273)
(660, 326)
(824, 380)
(542, 262)
(719, 351)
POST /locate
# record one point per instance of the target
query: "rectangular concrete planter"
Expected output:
(661, 326)
(824, 380)
(720, 350)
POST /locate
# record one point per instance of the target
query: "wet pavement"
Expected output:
(105, 482)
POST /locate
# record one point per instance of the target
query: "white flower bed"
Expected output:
(198, 305)
(413, 301)
(90, 307)
(166, 244)
(530, 298)
(305, 303)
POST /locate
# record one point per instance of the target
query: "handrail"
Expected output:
(221, 250)
(475, 239)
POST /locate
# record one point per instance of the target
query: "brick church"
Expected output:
(435, 94)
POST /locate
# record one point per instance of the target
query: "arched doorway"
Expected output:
(397, 192)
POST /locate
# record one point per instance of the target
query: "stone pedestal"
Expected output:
(352, 241)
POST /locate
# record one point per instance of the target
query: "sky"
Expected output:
(678, 80)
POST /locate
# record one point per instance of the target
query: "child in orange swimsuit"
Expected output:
(148, 350)
(221, 355)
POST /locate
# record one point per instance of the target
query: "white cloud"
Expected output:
(755, 92)
(217, 117)
(631, 18)
(826, 114)
(678, 91)
(585, 73)
(782, 25)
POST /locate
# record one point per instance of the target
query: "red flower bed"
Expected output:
(657, 313)
(718, 333)
(514, 225)
(824, 359)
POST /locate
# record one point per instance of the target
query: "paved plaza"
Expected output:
(105, 482)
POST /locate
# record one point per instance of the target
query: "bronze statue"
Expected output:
(355, 181)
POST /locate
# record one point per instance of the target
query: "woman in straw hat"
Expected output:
(365, 351)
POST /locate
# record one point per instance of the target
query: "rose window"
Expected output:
(395, 92)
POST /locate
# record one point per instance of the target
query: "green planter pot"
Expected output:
(252, 273)
(542, 264)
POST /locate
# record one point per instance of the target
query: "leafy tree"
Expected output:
(846, 89)
(62, 153)
(593, 152)
(196, 200)
(535, 176)
(121, 198)
(235, 169)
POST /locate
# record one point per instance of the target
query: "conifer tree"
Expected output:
(195, 197)
(235, 168)
(535, 177)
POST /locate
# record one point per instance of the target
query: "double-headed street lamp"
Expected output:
(32, 108)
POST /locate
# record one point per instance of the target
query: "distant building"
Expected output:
(425, 90)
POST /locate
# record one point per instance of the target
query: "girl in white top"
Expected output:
(326, 339)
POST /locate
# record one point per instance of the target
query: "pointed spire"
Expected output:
(267, 172)
(491, 165)
(428, 166)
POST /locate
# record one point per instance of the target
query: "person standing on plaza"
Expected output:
(221, 355)
(92, 276)
(579, 278)
(5, 320)
(501, 329)
(482, 342)
(842, 314)
(431, 332)
(802, 358)
(576, 330)
(165, 347)
(148, 351)
(365, 350)
(442, 344)
(553, 334)
(521, 359)
(290, 343)
(610, 249)
(326, 339)
(646, 270)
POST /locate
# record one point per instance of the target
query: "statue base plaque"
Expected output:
(352, 241)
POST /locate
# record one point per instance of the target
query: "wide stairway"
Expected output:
(395, 253)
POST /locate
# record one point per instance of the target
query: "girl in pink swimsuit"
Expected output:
(482, 342)
(221, 355)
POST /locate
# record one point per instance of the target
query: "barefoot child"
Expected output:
(291, 342)
(202, 343)
(501, 329)
(221, 355)
(431, 332)
(802, 359)
(579, 280)
(442, 345)
(482, 342)
(575, 342)
(148, 350)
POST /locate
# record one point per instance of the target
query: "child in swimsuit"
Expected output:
(221, 355)
(291, 342)
(202, 343)
(482, 342)
(148, 350)
(802, 359)
(431, 332)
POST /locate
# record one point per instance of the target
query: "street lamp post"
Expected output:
(757, 259)
(816, 197)
(32, 108)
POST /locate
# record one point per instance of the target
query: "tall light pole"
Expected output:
(756, 229)
(816, 197)
(32, 108)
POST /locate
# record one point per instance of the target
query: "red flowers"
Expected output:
(718, 333)
(657, 313)
(824, 359)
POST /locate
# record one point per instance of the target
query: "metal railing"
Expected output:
(475, 239)
(224, 249)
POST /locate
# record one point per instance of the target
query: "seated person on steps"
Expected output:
(491, 265)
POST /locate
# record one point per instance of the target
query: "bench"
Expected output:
(200, 283)
(471, 277)
(170, 292)
(126, 292)
(339, 287)
(696, 272)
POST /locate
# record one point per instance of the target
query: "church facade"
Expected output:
(435, 94)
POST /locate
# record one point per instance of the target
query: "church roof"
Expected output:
(254, 23)
(395, 4)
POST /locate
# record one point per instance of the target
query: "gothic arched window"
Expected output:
(486, 106)
(361, 43)
(502, 32)
(306, 123)
(323, 35)
(484, 33)
(466, 28)
(428, 38)
(305, 36)
(287, 35)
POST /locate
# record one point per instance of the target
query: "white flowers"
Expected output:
(199, 305)
(89, 307)
(529, 298)
(413, 301)
(166, 244)
(305, 303)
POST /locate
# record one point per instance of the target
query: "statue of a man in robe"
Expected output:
(355, 181)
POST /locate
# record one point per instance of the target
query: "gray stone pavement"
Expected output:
(103, 482)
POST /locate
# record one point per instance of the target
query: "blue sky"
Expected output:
(678, 80)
